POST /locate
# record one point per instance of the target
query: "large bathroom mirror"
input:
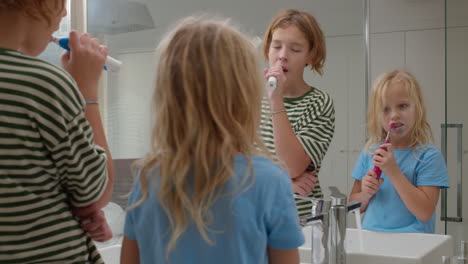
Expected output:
(364, 38)
(132, 29)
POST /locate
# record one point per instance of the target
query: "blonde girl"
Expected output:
(205, 194)
(413, 169)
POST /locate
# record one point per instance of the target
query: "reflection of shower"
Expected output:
(118, 16)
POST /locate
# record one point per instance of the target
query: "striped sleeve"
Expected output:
(81, 164)
(316, 135)
(68, 136)
(47, 161)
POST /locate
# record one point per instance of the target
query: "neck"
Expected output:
(401, 143)
(11, 25)
(296, 89)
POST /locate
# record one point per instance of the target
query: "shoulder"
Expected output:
(318, 95)
(428, 152)
(319, 102)
(45, 81)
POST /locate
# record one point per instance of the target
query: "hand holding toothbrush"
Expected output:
(85, 63)
(377, 169)
(370, 184)
(385, 160)
(276, 76)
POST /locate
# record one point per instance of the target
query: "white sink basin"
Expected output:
(111, 254)
(363, 246)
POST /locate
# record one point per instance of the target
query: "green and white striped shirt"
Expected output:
(312, 117)
(48, 162)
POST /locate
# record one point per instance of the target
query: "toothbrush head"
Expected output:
(392, 126)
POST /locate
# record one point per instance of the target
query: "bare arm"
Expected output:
(421, 201)
(287, 145)
(366, 188)
(85, 64)
(129, 253)
(282, 256)
(357, 195)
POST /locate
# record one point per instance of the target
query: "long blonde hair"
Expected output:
(421, 133)
(207, 107)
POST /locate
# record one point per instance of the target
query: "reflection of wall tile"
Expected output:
(387, 53)
(402, 15)
(456, 13)
(425, 58)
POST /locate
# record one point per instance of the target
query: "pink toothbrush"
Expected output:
(377, 170)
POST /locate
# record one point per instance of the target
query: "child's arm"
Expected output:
(281, 256)
(287, 146)
(85, 63)
(364, 190)
(305, 183)
(130, 254)
(421, 201)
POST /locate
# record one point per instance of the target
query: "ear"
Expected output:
(310, 57)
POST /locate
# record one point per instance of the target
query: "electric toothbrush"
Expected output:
(377, 170)
(271, 84)
(112, 65)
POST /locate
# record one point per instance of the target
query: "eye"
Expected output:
(296, 50)
(386, 109)
(403, 106)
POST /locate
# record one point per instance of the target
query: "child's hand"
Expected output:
(277, 72)
(386, 160)
(97, 227)
(370, 184)
(85, 62)
(304, 184)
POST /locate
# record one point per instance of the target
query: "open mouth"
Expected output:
(285, 70)
(397, 127)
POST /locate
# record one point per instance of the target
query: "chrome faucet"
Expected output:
(330, 216)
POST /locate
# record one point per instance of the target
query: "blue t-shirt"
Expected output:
(244, 224)
(386, 212)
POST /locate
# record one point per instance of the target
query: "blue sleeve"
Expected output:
(135, 195)
(282, 222)
(362, 166)
(431, 170)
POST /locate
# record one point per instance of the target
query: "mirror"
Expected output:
(132, 30)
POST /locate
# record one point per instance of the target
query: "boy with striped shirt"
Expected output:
(54, 157)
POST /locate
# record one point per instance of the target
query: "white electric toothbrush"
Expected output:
(271, 84)
(112, 65)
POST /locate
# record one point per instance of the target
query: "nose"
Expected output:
(283, 55)
(394, 115)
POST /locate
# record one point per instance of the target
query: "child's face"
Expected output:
(290, 49)
(399, 110)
